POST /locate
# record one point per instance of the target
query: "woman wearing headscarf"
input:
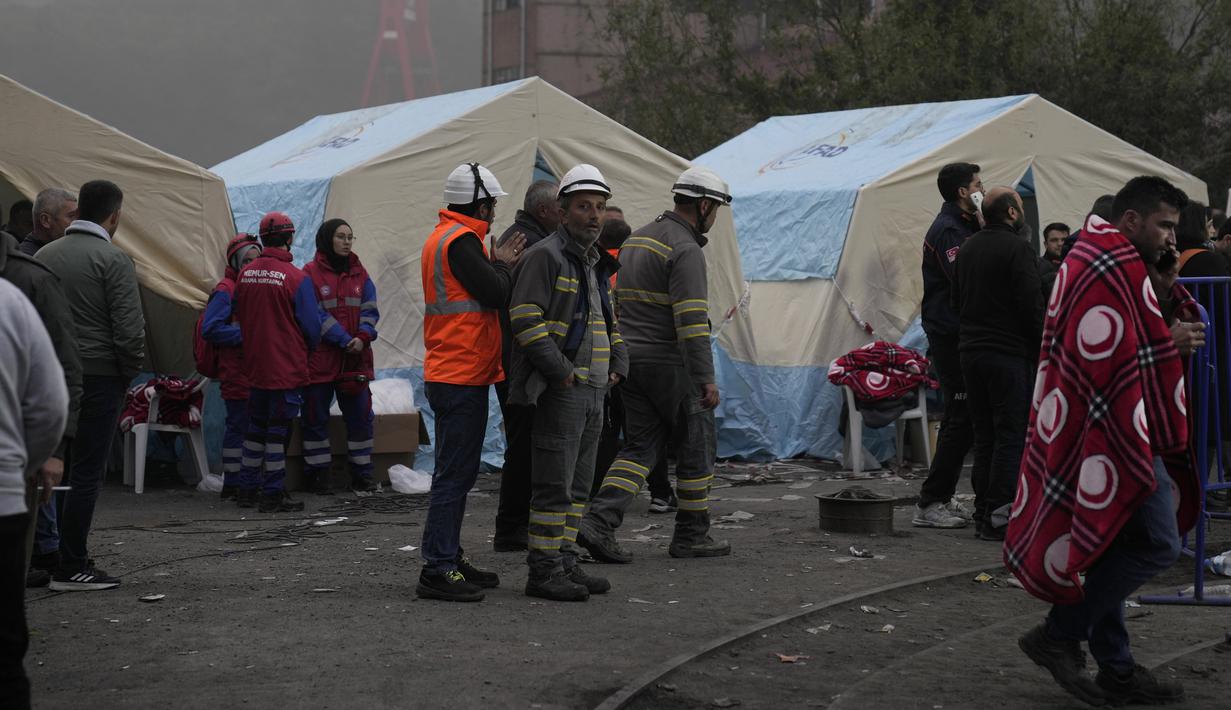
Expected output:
(348, 296)
(226, 361)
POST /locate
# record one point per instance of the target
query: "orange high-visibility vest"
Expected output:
(615, 254)
(462, 338)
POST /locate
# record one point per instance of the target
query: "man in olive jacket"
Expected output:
(43, 289)
(101, 285)
(569, 352)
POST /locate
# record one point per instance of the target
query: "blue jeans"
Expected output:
(461, 422)
(1148, 544)
(47, 528)
(101, 398)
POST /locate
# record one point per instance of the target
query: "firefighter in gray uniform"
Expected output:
(664, 317)
(568, 354)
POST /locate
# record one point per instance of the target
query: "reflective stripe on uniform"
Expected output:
(329, 303)
(365, 444)
(638, 242)
(643, 296)
(442, 306)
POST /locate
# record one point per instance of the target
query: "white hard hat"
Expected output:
(583, 178)
(470, 182)
(702, 182)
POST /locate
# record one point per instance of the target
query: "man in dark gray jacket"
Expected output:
(664, 315)
(101, 284)
(569, 353)
(43, 289)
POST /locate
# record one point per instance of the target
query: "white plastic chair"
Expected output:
(854, 429)
(136, 439)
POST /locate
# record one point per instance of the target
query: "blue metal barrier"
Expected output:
(1209, 387)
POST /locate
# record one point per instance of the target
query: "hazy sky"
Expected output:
(208, 79)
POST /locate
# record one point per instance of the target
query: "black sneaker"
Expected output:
(364, 485)
(88, 579)
(1066, 662)
(228, 492)
(476, 576)
(279, 502)
(1139, 688)
(450, 587)
(245, 497)
(593, 585)
(604, 549)
(319, 484)
(556, 587)
(36, 578)
(664, 505)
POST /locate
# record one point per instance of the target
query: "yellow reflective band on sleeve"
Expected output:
(566, 285)
(693, 331)
(694, 506)
(556, 327)
(649, 244)
(690, 304)
(620, 483)
(636, 294)
(525, 309)
(540, 336)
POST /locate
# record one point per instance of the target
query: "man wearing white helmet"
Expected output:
(569, 353)
(664, 315)
(463, 293)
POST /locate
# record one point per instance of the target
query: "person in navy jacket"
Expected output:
(348, 297)
(218, 327)
(277, 312)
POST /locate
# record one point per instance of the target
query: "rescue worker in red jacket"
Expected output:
(218, 327)
(280, 318)
(464, 291)
(348, 296)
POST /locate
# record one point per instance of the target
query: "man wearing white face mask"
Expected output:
(962, 189)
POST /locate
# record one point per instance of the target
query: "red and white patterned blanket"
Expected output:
(179, 403)
(881, 370)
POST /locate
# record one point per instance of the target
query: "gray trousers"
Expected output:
(564, 443)
(660, 401)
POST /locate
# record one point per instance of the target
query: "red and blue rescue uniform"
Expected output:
(218, 327)
(276, 308)
(348, 299)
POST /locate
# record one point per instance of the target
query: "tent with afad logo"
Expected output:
(830, 211)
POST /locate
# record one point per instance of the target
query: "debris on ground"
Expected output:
(647, 528)
(324, 590)
(328, 521)
(755, 479)
(785, 658)
(725, 702)
(856, 493)
(800, 486)
(635, 600)
(818, 629)
(790, 496)
(669, 687)
(861, 553)
(737, 516)
(983, 578)
(887, 629)
(869, 609)
(371, 549)
(407, 548)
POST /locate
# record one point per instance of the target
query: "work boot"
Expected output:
(476, 576)
(279, 502)
(991, 533)
(557, 587)
(36, 578)
(228, 492)
(593, 585)
(319, 483)
(704, 547)
(604, 548)
(1138, 688)
(364, 486)
(1066, 662)
(448, 586)
(245, 497)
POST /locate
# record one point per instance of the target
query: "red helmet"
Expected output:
(242, 241)
(276, 223)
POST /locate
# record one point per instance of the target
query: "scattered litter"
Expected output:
(187, 653)
(818, 629)
(371, 549)
(674, 601)
(210, 483)
(536, 644)
(1132, 604)
(150, 598)
(241, 535)
(114, 621)
(408, 480)
(983, 578)
(737, 516)
(647, 528)
(324, 590)
(800, 486)
(791, 496)
(756, 479)
(869, 609)
(635, 600)
(725, 702)
(791, 659)
(268, 579)
(860, 553)
(1217, 590)
(408, 548)
(805, 605)
(117, 543)
(124, 668)
(887, 629)
(727, 526)
(328, 521)
(1014, 582)
(669, 687)
(856, 493)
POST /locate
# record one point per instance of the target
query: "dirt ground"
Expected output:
(273, 611)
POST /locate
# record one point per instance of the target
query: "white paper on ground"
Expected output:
(408, 480)
(210, 483)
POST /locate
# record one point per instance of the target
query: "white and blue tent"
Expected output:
(383, 170)
(830, 212)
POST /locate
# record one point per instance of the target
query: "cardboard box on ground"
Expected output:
(395, 437)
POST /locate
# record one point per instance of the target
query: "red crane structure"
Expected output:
(405, 33)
